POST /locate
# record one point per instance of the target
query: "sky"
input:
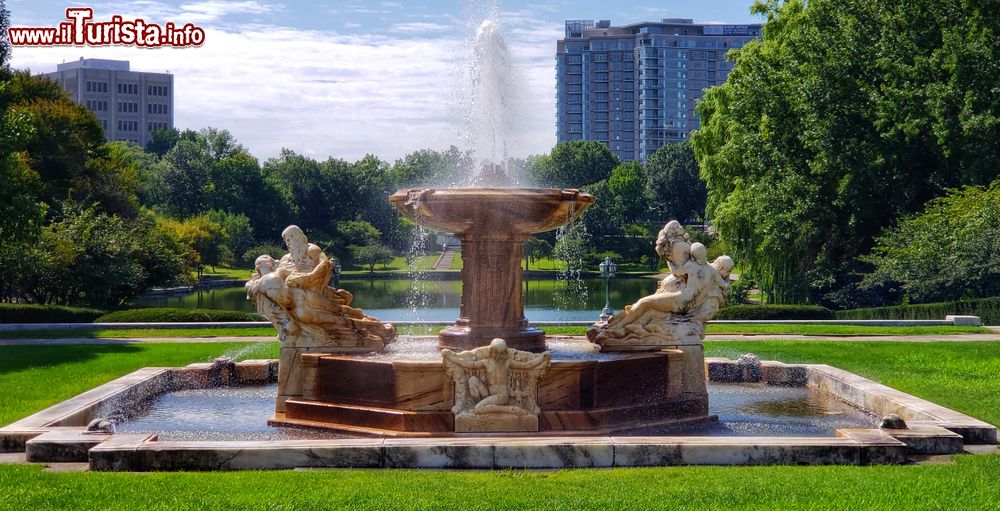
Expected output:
(350, 78)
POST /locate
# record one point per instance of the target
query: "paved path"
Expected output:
(720, 337)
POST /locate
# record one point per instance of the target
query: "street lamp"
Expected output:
(337, 269)
(608, 269)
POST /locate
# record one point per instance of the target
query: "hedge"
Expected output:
(31, 313)
(774, 312)
(988, 309)
(175, 315)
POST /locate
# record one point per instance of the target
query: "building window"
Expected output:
(101, 87)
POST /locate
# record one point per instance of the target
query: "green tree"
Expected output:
(625, 186)
(535, 249)
(204, 241)
(949, 251)
(357, 232)
(673, 188)
(162, 140)
(236, 229)
(91, 258)
(426, 166)
(573, 164)
(845, 116)
(573, 245)
(371, 255)
(4, 42)
(186, 178)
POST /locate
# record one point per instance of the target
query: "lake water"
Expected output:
(438, 300)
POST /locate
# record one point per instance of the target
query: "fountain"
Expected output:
(490, 371)
(612, 398)
(492, 224)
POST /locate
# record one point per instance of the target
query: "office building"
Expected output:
(634, 87)
(129, 105)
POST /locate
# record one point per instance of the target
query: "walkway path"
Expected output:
(721, 337)
(444, 262)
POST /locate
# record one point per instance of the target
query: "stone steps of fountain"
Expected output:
(369, 416)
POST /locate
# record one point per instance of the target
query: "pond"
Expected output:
(438, 300)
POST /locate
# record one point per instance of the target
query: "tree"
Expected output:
(847, 115)
(236, 229)
(357, 232)
(673, 188)
(625, 186)
(162, 140)
(4, 42)
(186, 177)
(573, 245)
(94, 259)
(426, 166)
(203, 239)
(573, 164)
(371, 255)
(949, 251)
(535, 249)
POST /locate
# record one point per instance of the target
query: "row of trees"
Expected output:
(847, 117)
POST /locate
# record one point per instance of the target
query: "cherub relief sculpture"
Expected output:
(295, 296)
(496, 387)
(685, 301)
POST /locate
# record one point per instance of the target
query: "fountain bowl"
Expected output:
(492, 210)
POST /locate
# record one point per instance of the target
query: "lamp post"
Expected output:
(337, 268)
(608, 269)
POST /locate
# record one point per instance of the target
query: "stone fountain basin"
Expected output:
(492, 210)
(56, 434)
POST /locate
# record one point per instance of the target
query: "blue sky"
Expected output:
(347, 78)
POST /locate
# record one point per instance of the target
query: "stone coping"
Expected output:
(143, 453)
(25, 327)
(56, 433)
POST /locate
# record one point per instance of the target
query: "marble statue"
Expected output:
(496, 387)
(294, 294)
(690, 295)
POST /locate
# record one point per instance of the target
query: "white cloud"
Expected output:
(416, 27)
(327, 94)
(214, 9)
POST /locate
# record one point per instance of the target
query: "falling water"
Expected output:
(490, 103)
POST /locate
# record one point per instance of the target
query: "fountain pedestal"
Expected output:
(492, 224)
(492, 299)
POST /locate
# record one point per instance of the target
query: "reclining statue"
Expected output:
(294, 294)
(685, 300)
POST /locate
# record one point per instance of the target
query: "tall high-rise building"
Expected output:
(129, 105)
(634, 87)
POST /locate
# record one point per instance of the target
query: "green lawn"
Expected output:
(965, 376)
(225, 273)
(554, 330)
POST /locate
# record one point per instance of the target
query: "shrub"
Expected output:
(30, 313)
(775, 312)
(988, 309)
(175, 315)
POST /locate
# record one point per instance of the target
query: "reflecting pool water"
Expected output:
(438, 300)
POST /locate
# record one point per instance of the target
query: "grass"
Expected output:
(965, 376)
(225, 273)
(806, 329)
(845, 330)
(35, 377)
(967, 484)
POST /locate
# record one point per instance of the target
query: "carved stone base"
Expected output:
(635, 337)
(461, 338)
(495, 423)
